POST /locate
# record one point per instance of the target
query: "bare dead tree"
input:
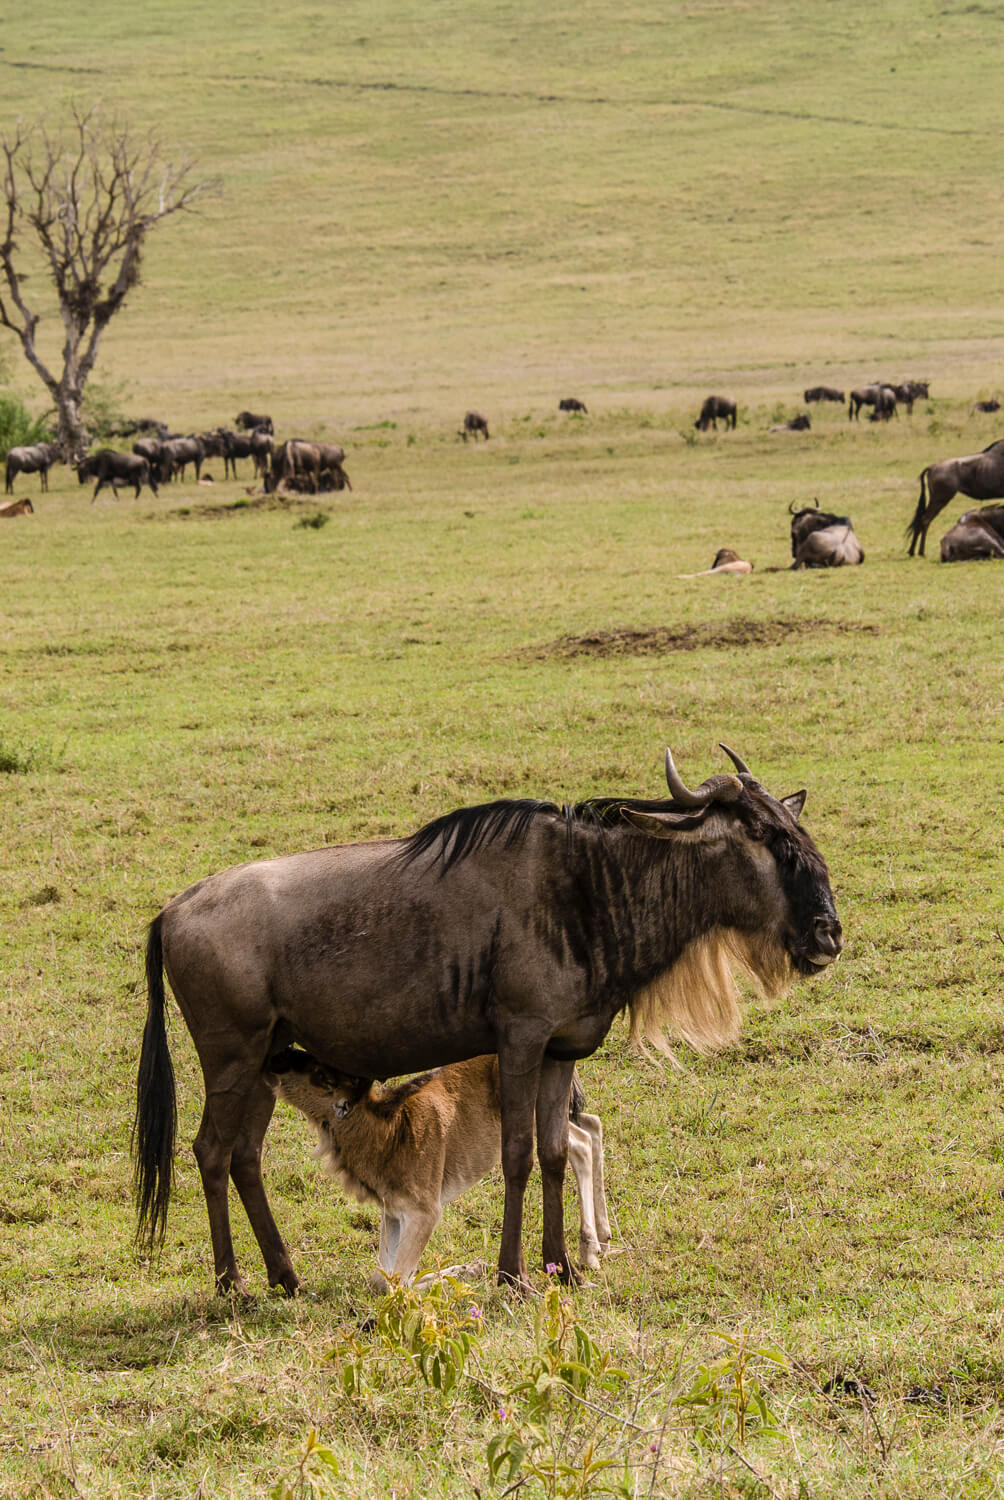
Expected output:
(84, 202)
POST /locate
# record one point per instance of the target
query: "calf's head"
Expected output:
(319, 1092)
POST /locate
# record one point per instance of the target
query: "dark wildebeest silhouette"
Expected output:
(474, 424)
(151, 448)
(822, 393)
(987, 406)
(10, 508)
(572, 403)
(879, 396)
(34, 458)
(177, 453)
(713, 408)
(809, 519)
(909, 391)
(518, 928)
(249, 420)
(977, 534)
(801, 423)
(113, 468)
(978, 476)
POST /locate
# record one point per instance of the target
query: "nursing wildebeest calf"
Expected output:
(517, 928)
(36, 458)
(713, 408)
(978, 476)
(416, 1147)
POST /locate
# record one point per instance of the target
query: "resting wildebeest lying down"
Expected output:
(572, 403)
(713, 408)
(801, 423)
(10, 508)
(837, 544)
(975, 535)
(36, 458)
(474, 423)
(822, 393)
(978, 476)
(113, 468)
(726, 561)
(518, 928)
(987, 406)
(416, 1147)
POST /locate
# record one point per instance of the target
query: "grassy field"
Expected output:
(487, 207)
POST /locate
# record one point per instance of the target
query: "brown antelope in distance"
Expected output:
(415, 1147)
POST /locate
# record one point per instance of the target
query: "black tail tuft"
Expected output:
(156, 1108)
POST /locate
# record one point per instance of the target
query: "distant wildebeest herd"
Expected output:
(300, 465)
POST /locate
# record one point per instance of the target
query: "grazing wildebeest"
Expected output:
(829, 547)
(801, 423)
(262, 448)
(518, 928)
(474, 423)
(726, 561)
(416, 1147)
(35, 458)
(113, 468)
(976, 534)
(250, 420)
(235, 445)
(879, 396)
(822, 393)
(909, 391)
(987, 406)
(978, 476)
(16, 508)
(572, 403)
(713, 408)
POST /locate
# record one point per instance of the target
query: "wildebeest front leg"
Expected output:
(552, 1152)
(519, 1076)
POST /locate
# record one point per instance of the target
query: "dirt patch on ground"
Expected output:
(657, 640)
(241, 507)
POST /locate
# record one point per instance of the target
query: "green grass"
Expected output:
(481, 207)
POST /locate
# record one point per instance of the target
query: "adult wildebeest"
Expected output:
(250, 420)
(822, 393)
(10, 508)
(726, 561)
(113, 468)
(572, 403)
(909, 391)
(177, 453)
(881, 397)
(809, 519)
(262, 448)
(976, 534)
(713, 408)
(416, 1147)
(801, 423)
(987, 406)
(235, 445)
(518, 928)
(36, 458)
(978, 476)
(829, 547)
(474, 424)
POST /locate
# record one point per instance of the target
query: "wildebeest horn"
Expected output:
(715, 789)
(736, 760)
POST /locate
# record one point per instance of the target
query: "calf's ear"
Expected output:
(794, 803)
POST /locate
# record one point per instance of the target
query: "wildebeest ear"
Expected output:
(794, 803)
(664, 825)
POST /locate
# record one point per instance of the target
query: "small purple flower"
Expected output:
(551, 1268)
(503, 1414)
(474, 1313)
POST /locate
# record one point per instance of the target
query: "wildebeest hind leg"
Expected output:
(245, 1169)
(518, 1081)
(552, 1152)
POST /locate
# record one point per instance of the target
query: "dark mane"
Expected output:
(457, 834)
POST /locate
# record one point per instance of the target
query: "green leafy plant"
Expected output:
(552, 1434)
(726, 1399)
(430, 1331)
(316, 1465)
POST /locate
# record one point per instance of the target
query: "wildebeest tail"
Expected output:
(916, 526)
(576, 1099)
(156, 1107)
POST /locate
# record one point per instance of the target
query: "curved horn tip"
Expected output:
(680, 791)
(736, 760)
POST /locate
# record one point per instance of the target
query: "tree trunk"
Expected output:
(72, 434)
